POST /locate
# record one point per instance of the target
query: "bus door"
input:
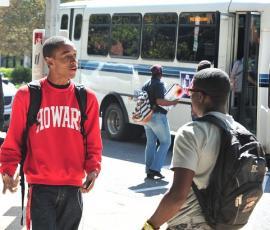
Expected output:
(65, 19)
(75, 34)
(244, 73)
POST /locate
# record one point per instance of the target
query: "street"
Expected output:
(122, 198)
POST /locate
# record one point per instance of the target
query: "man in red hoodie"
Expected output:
(58, 159)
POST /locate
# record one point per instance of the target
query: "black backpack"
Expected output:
(235, 184)
(34, 105)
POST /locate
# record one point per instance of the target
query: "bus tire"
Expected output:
(136, 131)
(114, 123)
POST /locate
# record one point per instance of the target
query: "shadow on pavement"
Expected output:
(151, 187)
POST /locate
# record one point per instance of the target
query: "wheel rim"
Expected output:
(113, 122)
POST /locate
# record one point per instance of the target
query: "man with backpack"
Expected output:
(60, 148)
(218, 165)
(157, 129)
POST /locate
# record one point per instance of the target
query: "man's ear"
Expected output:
(201, 97)
(49, 61)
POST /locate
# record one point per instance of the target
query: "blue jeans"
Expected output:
(157, 129)
(56, 207)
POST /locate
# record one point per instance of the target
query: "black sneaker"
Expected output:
(152, 174)
(158, 174)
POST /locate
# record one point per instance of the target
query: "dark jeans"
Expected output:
(56, 207)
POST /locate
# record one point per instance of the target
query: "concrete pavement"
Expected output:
(123, 200)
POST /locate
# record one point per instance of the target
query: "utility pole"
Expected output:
(51, 17)
(39, 36)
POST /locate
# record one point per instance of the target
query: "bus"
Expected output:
(118, 41)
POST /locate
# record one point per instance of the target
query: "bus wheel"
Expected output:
(114, 123)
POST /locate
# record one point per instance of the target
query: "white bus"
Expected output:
(118, 41)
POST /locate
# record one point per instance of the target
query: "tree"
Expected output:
(17, 23)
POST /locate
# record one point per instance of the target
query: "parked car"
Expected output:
(9, 91)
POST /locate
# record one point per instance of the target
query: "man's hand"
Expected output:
(10, 183)
(89, 182)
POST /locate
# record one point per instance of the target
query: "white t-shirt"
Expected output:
(196, 147)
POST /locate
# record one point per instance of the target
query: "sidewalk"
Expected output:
(122, 208)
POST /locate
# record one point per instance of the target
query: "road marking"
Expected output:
(5, 221)
(14, 212)
(150, 189)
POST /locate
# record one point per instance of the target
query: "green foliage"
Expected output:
(20, 75)
(7, 72)
(17, 23)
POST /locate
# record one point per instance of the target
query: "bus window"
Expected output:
(64, 22)
(78, 27)
(159, 36)
(196, 37)
(125, 35)
(98, 34)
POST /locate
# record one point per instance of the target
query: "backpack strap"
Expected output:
(225, 135)
(34, 105)
(214, 120)
(81, 96)
(35, 102)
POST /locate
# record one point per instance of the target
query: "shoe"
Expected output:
(158, 174)
(152, 174)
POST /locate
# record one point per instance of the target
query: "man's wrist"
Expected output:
(94, 172)
(148, 226)
(6, 174)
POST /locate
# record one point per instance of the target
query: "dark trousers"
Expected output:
(56, 207)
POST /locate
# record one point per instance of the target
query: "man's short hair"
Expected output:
(214, 83)
(203, 65)
(53, 43)
(156, 70)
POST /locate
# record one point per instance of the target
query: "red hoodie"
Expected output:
(55, 148)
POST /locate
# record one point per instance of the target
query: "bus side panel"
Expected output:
(263, 116)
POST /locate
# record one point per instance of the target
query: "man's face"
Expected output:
(63, 63)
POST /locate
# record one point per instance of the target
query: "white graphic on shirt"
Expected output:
(58, 117)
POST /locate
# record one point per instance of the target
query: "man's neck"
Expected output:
(220, 110)
(57, 80)
(59, 86)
